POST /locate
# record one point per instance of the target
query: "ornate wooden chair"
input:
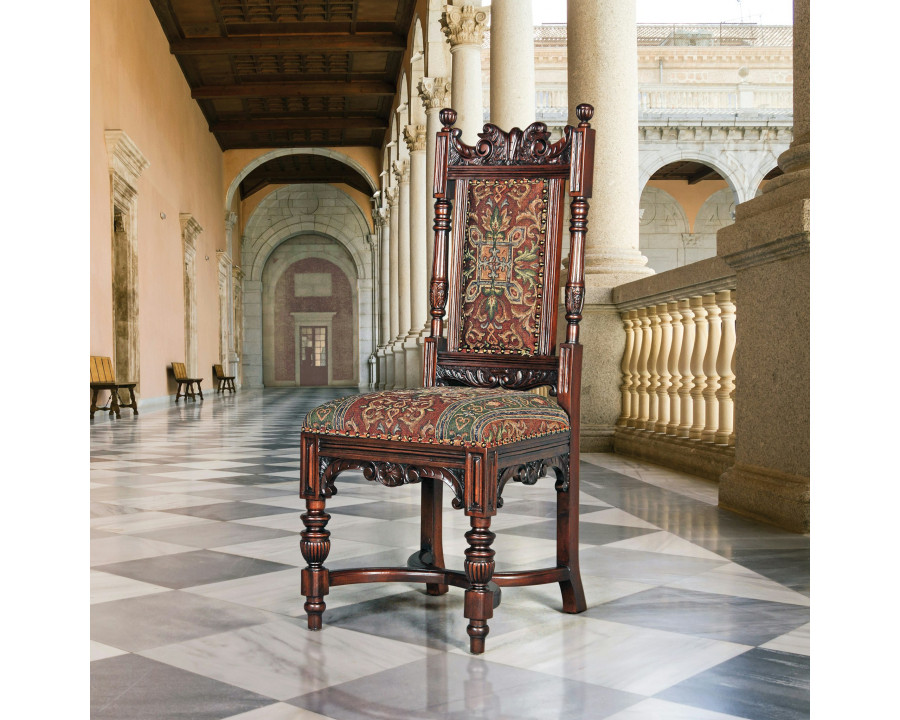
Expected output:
(471, 427)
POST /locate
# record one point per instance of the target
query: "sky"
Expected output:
(764, 12)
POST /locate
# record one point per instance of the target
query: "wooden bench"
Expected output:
(223, 382)
(185, 383)
(103, 378)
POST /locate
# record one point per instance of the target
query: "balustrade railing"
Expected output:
(678, 379)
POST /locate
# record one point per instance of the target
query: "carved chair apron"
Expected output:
(474, 426)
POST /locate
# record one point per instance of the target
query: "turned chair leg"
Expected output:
(479, 567)
(567, 541)
(432, 541)
(314, 545)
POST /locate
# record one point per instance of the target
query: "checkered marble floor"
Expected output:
(693, 613)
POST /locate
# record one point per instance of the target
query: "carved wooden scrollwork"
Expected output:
(512, 379)
(391, 474)
(529, 473)
(530, 146)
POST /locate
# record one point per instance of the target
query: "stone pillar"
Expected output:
(512, 64)
(464, 26)
(401, 173)
(768, 246)
(230, 356)
(383, 228)
(414, 135)
(602, 71)
(237, 305)
(434, 93)
(392, 195)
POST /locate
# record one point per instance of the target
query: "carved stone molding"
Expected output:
(464, 25)
(125, 159)
(230, 220)
(190, 229)
(434, 92)
(392, 195)
(401, 170)
(414, 135)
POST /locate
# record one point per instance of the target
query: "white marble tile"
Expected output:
(129, 547)
(106, 587)
(666, 543)
(796, 641)
(733, 579)
(597, 591)
(652, 709)
(164, 501)
(196, 474)
(688, 485)
(614, 516)
(186, 486)
(99, 651)
(292, 522)
(615, 655)
(283, 659)
(279, 711)
(145, 522)
(210, 464)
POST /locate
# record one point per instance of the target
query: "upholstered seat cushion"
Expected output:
(444, 415)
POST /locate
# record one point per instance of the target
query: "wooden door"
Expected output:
(312, 367)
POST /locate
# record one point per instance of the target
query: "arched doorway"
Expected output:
(310, 315)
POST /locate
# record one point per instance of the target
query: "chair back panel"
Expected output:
(101, 370)
(218, 372)
(498, 273)
(179, 371)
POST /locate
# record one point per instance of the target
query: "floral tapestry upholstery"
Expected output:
(443, 415)
(503, 265)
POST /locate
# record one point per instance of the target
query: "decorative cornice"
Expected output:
(190, 229)
(125, 159)
(414, 135)
(464, 25)
(434, 92)
(716, 133)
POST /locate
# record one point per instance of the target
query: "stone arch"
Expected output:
(284, 311)
(280, 152)
(651, 162)
(663, 229)
(753, 186)
(298, 210)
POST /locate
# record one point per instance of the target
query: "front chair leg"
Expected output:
(314, 545)
(479, 567)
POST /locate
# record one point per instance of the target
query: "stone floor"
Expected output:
(693, 613)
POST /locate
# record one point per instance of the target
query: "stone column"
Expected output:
(434, 93)
(602, 71)
(464, 26)
(401, 173)
(383, 228)
(230, 356)
(768, 246)
(392, 195)
(414, 135)
(512, 64)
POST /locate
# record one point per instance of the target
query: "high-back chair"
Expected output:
(473, 426)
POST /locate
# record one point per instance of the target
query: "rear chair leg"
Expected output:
(479, 567)
(314, 545)
(567, 539)
(432, 541)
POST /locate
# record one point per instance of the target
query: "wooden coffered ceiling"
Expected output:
(290, 73)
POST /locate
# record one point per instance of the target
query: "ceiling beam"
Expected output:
(293, 89)
(321, 123)
(248, 45)
(705, 173)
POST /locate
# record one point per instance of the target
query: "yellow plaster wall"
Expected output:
(137, 86)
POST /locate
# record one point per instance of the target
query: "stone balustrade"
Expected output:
(678, 378)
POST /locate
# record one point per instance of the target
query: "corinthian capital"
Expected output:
(434, 92)
(415, 137)
(401, 170)
(464, 24)
(391, 194)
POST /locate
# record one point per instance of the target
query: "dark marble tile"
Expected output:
(591, 533)
(190, 569)
(718, 617)
(214, 534)
(381, 510)
(149, 621)
(758, 685)
(231, 510)
(455, 686)
(137, 688)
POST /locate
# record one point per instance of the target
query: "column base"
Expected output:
(691, 456)
(399, 367)
(381, 368)
(412, 348)
(768, 495)
(389, 369)
(596, 438)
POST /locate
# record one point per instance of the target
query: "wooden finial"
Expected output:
(584, 113)
(448, 117)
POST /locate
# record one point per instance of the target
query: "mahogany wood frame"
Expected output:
(476, 476)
